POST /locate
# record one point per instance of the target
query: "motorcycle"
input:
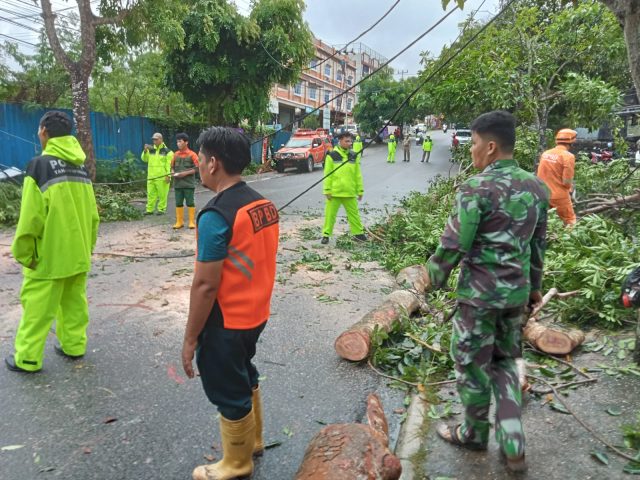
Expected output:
(601, 155)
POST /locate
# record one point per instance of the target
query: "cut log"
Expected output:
(352, 451)
(415, 276)
(355, 343)
(553, 340)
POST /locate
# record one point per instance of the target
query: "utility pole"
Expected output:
(401, 72)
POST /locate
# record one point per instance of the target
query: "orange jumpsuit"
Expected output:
(556, 170)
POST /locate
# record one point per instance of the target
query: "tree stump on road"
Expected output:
(352, 451)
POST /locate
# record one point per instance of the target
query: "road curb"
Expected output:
(410, 438)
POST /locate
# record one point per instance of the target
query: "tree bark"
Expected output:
(352, 451)
(82, 116)
(553, 340)
(628, 14)
(355, 343)
(80, 70)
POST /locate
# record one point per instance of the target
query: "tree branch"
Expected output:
(52, 35)
(111, 20)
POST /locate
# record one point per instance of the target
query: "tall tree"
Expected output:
(130, 85)
(535, 61)
(120, 23)
(230, 62)
(378, 99)
(37, 78)
(627, 13)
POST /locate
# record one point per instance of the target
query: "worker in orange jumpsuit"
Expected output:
(556, 170)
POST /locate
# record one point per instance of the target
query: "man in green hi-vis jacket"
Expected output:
(159, 158)
(343, 187)
(55, 237)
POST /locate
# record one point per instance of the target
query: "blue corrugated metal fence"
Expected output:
(113, 137)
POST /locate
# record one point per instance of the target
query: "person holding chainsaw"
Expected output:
(556, 170)
(497, 235)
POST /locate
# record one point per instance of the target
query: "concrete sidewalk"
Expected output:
(557, 447)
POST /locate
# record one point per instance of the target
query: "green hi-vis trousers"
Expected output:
(64, 299)
(157, 191)
(353, 215)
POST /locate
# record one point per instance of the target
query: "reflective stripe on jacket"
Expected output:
(58, 225)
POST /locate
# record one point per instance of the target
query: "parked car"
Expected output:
(304, 150)
(462, 135)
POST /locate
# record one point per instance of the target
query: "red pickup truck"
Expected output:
(304, 150)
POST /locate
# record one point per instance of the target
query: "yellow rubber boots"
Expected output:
(258, 448)
(192, 217)
(238, 439)
(179, 218)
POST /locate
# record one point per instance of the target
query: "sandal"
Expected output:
(451, 434)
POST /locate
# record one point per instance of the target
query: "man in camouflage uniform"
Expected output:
(497, 233)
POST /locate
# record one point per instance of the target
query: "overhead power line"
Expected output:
(420, 85)
(18, 40)
(338, 51)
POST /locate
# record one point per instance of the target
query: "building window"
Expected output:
(313, 64)
(349, 80)
(312, 93)
(365, 70)
(339, 76)
(327, 71)
(297, 88)
(327, 95)
(349, 104)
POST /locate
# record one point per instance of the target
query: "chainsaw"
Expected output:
(630, 295)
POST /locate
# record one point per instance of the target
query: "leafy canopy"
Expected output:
(230, 62)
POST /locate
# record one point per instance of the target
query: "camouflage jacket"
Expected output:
(497, 232)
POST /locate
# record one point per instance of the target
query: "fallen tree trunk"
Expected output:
(553, 340)
(355, 343)
(608, 204)
(352, 451)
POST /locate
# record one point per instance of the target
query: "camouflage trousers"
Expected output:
(484, 346)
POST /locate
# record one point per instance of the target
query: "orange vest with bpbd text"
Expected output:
(248, 273)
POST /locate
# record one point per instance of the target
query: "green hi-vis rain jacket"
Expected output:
(58, 224)
(347, 180)
(159, 160)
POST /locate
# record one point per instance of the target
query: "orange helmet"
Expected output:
(566, 135)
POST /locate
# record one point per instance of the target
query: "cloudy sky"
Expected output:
(339, 21)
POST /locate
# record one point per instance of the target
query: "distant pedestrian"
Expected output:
(158, 157)
(230, 299)
(427, 146)
(184, 165)
(406, 148)
(56, 234)
(501, 213)
(556, 169)
(391, 149)
(357, 146)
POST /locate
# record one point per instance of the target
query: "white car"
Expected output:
(463, 135)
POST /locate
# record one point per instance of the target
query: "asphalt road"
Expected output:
(127, 412)
(384, 183)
